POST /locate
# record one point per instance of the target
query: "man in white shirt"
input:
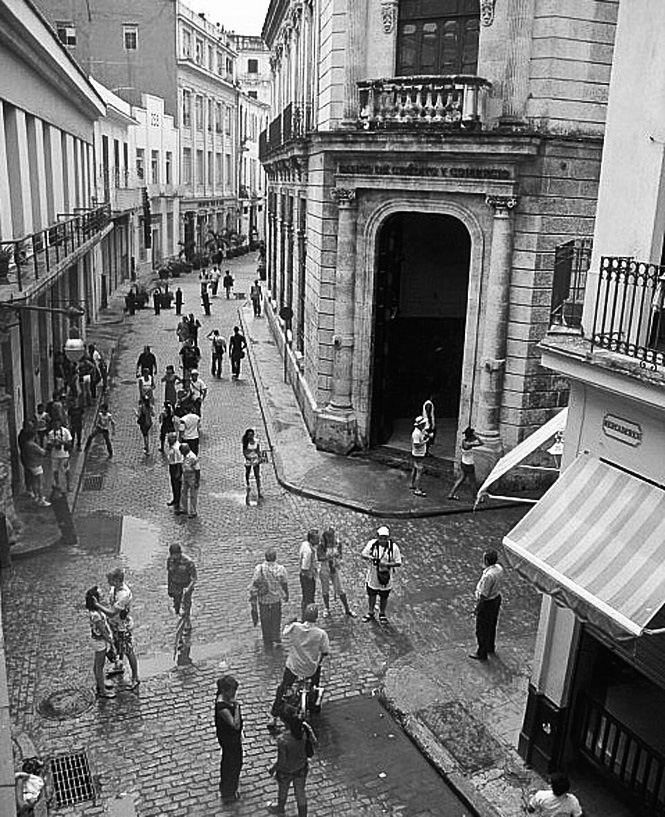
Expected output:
(197, 391)
(189, 428)
(419, 438)
(555, 803)
(191, 479)
(121, 623)
(174, 458)
(309, 646)
(384, 556)
(59, 443)
(309, 568)
(488, 601)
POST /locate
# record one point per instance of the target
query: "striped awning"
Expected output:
(596, 543)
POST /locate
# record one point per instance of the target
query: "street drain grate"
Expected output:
(93, 482)
(72, 780)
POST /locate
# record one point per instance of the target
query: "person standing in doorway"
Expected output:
(488, 602)
(178, 301)
(228, 725)
(191, 480)
(104, 425)
(174, 459)
(308, 568)
(384, 556)
(269, 587)
(419, 439)
(467, 465)
(217, 352)
(181, 578)
(227, 283)
(237, 346)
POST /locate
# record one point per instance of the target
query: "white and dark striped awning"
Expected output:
(596, 543)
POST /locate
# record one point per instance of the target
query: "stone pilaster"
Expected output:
(497, 301)
(516, 85)
(336, 424)
(356, 31)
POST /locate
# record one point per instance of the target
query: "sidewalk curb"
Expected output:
(331, 499)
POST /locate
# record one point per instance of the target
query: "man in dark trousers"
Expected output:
(130, 301)
(488, 602)
(205, 301)
(178, 301)
(146, 361)
(227, 282)
(237, 346)
(157, 301)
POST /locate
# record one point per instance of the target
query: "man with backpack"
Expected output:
(384, 556)
(218, 350)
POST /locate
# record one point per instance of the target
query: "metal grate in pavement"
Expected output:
(72, 780)
(93, 482)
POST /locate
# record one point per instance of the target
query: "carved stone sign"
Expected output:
(486, 12)
(388, 16)
(427, 171)
(623, 430)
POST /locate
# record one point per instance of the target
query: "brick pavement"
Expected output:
(159, 746)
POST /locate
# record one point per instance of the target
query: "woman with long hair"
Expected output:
(294, 747)
(102, 639)
(251, 450)
(329, 554)
(144, 420)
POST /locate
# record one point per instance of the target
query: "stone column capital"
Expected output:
(501, 204)
(344, 196)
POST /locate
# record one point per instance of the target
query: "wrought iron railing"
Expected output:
(628, 316)
(571, 264)
(33, 256)
(294, 122)
(430, 102)
(621, 755)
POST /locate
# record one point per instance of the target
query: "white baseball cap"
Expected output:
(383, 531)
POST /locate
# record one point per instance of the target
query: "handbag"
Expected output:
(263, 457)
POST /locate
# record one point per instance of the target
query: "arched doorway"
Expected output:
(422, 281)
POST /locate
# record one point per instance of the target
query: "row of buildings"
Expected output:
(465, 202)
(127, 133)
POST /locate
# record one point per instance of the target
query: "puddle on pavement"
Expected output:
(157, 663)
(233, 496)
(139, 542)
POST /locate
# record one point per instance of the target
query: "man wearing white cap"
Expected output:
(384, 556)
(419, 439)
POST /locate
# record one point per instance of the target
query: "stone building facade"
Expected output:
(424, 162)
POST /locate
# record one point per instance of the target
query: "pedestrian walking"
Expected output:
(146, 384)
(75, 414)
(228, 725)
(191, 479)
(419, 438)
(42, 424)
(205, 301)
(157, 300)
(181, 578)
(170, 380)
(104, 426)
(121, 624)
(309, 647)
(268, 589)
(227, 283)
(237, 346)
(189, 430)
(194, 326)
(178, 301)
(256, 296)
(190, 354)
(56, 410)
(557, 801)
(329, 557)
(182, 329)
(146, 360)
(174, 458)
(144, 415)
(384, 556)
(102, 640)
(216, 275)
(308, 568)
(217, 352)
(251, 451)
(467, 465)
(33, 458)
(430, 423)
(291, 766)
(167, 421)
(197, 390)
(130, 301)
(26, 432)
(488, 602)
(59, 443)
(85, 369)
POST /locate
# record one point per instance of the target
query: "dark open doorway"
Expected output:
(421, 302)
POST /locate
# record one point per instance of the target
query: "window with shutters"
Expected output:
(66, 33)
(437, 37)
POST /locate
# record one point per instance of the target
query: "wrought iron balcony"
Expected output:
(628, 315)
(28, 259)
(571, 264)
(293, 123)
(428, 102)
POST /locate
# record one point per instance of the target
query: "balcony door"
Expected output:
(437, 37)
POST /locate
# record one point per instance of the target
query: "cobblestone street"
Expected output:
(159, 745)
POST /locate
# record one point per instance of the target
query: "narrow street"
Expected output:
(159, 746)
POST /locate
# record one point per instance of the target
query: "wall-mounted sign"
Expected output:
(426, 170)
(623, 430)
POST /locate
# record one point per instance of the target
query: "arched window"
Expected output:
(437, 37)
